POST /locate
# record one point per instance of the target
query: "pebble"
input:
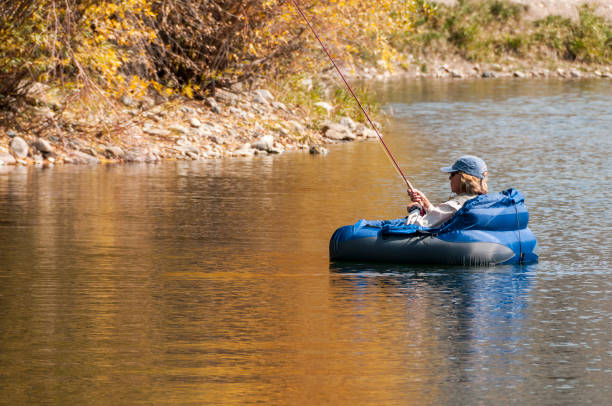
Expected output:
(213, 105)
(12, 134)
(194, 122)
(188, 110)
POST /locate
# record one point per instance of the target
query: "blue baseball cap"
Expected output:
(470, 164)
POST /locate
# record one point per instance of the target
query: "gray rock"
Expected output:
(365, 131)
(265, 94)
(193, 155)
(6, 159)
(77, 157)
(280, 106)
(257, 98)
(244, 150)
(113, 152)
(337, 132)
(179, 129)
(147, 102)
(12, 134)
(194, 122)
(134, 155)
(317, 150)
(489, 74)
(43, 146)
(348, 123)
(188, 110)
(151, 156)
(18, 147)
(213, 105)
(265, 143)
(225, 96)
(127, 100)
(237, 112)
(575, 73)
(158, 132)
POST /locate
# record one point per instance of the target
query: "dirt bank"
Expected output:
(538, 9)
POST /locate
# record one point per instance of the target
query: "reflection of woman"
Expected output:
(468, 179)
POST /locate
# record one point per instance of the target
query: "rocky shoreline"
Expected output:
(234, 123)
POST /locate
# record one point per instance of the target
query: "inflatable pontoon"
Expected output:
(489, 229)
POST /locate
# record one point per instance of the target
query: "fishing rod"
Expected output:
(399, 170)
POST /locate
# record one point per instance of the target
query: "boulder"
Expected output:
(265, 143)
(257, 98)
(225, 96)
(18, 147)
(77, 157)
(113, 152)
(265, 94)
(43, 146)
(337, 132)
(348, 123)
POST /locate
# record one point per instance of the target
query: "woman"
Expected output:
(468, 179)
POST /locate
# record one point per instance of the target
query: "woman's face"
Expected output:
(455, 182)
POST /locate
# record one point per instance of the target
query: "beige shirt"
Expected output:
(436, 215)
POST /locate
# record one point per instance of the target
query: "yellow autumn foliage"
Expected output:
(185, 46)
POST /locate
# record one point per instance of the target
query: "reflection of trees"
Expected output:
(442, 326)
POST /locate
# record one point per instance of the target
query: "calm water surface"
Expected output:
(209, 282)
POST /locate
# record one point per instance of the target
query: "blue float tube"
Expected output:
(489, 229)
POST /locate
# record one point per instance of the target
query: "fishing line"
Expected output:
(397, 167)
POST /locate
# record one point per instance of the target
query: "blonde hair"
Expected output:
(473, 185)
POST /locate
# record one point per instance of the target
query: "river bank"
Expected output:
(233, 123)
(51, 126)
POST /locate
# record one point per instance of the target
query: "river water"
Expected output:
(210, 283)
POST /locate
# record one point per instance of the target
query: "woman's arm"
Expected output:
(419, 197)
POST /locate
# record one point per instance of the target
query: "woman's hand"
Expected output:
(418, 197)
